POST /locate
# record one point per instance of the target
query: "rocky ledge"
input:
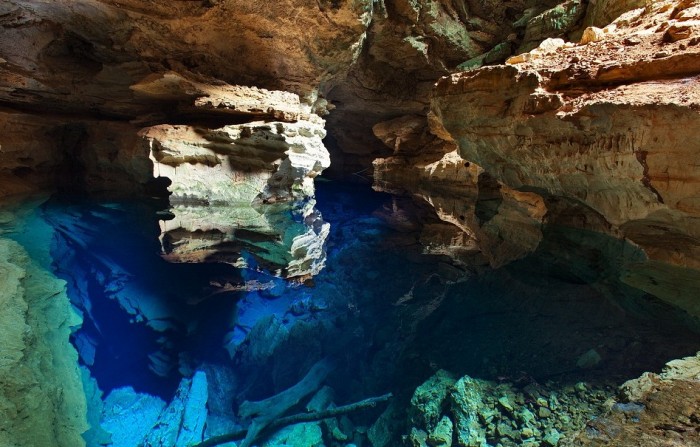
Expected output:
(607, 124)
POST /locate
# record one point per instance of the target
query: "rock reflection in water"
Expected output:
(286, 239)
(398, 293)
(190, 298)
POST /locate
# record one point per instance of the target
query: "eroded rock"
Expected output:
(42, 402)
(617, 138)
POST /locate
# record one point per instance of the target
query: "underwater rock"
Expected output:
(286, 239)
(262, 413)
(383, 431)
(96, 435)
(181, 423)
(417, 438)
(466, 400)
(482, 413)
(263, 339)
(551, 438)
(141, 419)
(307, 434)
(589, 359)
(429, 399)
(42, 402)
(130, 416)
(441, 436)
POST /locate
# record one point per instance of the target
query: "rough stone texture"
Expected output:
(657, 410)
(129, 416)
(409, 45)
(429, 399)
(601, 12)
(181, 423)
(152, 63)
(481, 413)
(140, 419)
(82, 79)
(609, 124)
(87, 54)
(41, 397)
(554, 22)
(479, 214)
(239, 163)
(288, 247)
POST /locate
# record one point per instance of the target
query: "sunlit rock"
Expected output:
(609, 129)
(479, 215)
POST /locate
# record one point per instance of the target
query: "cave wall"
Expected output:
(84, 65)
(101, 95)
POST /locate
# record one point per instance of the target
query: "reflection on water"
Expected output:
(378, 292)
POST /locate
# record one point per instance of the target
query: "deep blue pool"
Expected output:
(386, 310)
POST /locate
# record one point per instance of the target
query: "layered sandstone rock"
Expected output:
(409, 45)
(609, 124)
(224, 179)
(76, 78)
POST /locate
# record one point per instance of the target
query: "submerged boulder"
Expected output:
(141, 419)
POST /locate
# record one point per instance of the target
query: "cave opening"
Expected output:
(349, 224)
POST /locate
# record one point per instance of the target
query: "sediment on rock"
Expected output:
(42, 402)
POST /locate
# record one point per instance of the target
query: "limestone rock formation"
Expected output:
(267, 161)
(656, 409)
(41, 395)
(83, 79)
(608, 124)
(409, 45)
(133, 418)
(480, 216)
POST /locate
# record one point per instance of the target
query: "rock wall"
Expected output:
(607, 124)
(84, 79)
(92, 64)
(409, 46)
(42, 402)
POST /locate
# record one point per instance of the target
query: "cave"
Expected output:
(377, 223)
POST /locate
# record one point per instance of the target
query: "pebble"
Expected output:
(505, 403)
(551, 438)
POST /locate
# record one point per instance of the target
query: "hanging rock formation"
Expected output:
(82, 79)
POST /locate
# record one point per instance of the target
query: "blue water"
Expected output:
(387, 314)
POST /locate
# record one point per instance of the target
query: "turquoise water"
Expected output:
(386, 314)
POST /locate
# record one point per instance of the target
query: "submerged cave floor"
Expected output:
(388, 313)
